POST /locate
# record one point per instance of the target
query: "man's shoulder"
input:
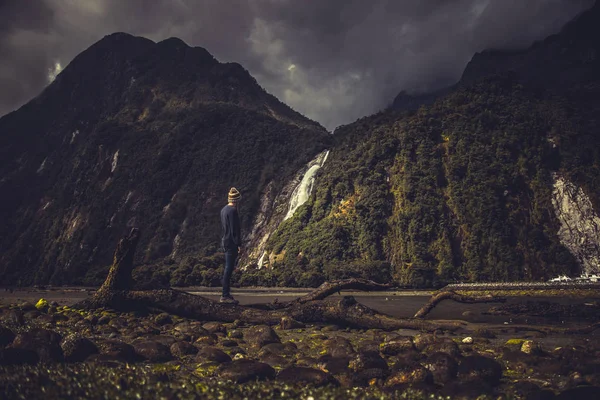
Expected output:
(227, 209)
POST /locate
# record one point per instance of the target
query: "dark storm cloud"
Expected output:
(333, 60)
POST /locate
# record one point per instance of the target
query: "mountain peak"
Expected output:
(559, 61)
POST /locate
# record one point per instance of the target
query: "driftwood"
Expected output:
(449, 295)
(117, 293)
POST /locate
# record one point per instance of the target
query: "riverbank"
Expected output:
(49, 350)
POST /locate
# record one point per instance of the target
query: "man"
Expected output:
(231, 240)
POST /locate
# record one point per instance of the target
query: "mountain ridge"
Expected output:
(134, 132)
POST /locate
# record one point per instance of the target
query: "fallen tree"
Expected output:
(118, 292)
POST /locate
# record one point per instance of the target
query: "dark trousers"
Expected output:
(230, 257)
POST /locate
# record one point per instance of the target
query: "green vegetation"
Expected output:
(459, 191)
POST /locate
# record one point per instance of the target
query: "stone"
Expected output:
(334, 365)
(412, 373)
(77, 348)
(259, 335)
(287, 323)
(12, 318)
(531, 347)
(397, 346)
(274, 360)
(229, 343)
(13, 356)
(468, 340)
(117, 349)
(306, 377)
(279, 349)
(212, 354)
(243, 370)
(26, 306)
(330, 328)
(42, 305)
(152, 351)
(478, 368)
(339, 347)
(44, 342)
(445, 346)
(235, 334)
(214, 327)
(180, 349)
(423, 340)
(368, 360)
(163, 319)
(6, 336)
(442, 366)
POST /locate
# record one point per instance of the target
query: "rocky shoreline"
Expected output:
(53, 351)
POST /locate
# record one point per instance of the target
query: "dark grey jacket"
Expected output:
(230, 224)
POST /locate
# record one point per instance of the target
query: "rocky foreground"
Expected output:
(52, 351)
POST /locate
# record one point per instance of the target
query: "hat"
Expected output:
(234, 195)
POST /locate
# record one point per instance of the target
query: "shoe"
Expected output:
(228, 300)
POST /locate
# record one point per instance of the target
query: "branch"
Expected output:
(449, 295)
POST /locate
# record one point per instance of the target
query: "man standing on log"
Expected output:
(231, 240)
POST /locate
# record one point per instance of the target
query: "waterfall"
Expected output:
(277, 207)
(304, 189)
(579, 225)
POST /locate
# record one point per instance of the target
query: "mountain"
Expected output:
(559, 62)
(137, 133)
(495, 179)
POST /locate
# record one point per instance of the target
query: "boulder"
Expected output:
(212, 354)
(117, 350)
(442, 366)
(397, 345)
(44, 342)
(214, 327)
(275, 361)
(12, 356)
(163, 319)
(412, 373)
(152, 351)
(306, 377)
(180, 349)
(259, 335)
(77, 348)
(243, 370)
(478, 368)
(6, 336)
(290, 323)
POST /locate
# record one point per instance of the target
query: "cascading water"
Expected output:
(303, 190)
(293, 196)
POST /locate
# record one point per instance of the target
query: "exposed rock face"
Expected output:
(579, 223)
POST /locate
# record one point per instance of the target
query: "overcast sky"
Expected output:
(332, 60)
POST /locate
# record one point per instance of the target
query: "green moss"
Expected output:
(42, 304)
(515, 342)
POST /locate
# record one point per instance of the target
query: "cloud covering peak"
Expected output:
(334, 61)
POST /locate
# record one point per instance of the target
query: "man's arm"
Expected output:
(236, 230)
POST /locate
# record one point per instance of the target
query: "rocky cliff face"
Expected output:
(137, 133)
(579, 224)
